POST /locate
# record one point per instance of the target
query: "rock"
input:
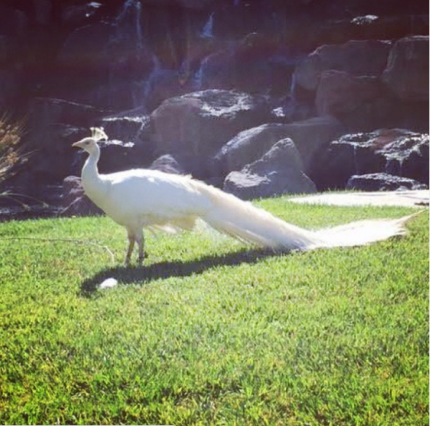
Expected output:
(279, 171)
(311, 135)
(396, 151)
(194, 127)
(353, 83)
(117, 155)
(127, 126)
(256, 64)
(166, 163)
(52, 155)
(46, 111)
(382, 182)
(75, 202)
(375, 26)
(88, 73)
(356, 57)
(249, 145)
(407, 72)
(340, 94)
(130, 132)
(408, 156)
(55, 124)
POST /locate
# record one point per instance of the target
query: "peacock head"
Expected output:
(89, 144)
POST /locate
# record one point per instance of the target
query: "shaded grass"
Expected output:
(210, 333)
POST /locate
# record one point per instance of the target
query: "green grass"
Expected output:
(207, 333)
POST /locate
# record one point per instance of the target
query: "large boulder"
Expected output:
(357, 81)
(356, 57)
(396, 151)
(407, 72)
(127, 126)
(340, 94)
(117, 155)
(309, 137)
(408, 156)
(129, 142)
(51, 157)
(249, 145)
(195, 126)
(55, 124)
(277, 172)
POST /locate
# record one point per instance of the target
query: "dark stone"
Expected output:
(356, 57)
(407, 72)
(195, 126)
(395, 151)
(249, 145)
(279, 171)
(382, 182)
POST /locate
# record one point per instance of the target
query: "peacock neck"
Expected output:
(90, 171)
(94, 185)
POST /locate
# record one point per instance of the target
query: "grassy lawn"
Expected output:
(210, 333)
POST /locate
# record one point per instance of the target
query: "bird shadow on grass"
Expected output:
(161, 270)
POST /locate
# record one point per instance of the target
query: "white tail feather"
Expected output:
(363, 232)
(248, 223)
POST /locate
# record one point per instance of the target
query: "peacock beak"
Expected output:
(78, 144)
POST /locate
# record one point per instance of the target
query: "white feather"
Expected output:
(152, 199)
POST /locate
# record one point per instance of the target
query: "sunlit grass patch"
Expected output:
(210, 332)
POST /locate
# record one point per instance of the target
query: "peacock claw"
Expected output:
(142, 258)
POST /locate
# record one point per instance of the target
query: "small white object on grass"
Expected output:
(109, 283)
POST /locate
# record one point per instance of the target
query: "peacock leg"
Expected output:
(140, 242)
(131, 240)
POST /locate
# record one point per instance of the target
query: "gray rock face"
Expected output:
(279, 171)
(250, 145)
(308, 136)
